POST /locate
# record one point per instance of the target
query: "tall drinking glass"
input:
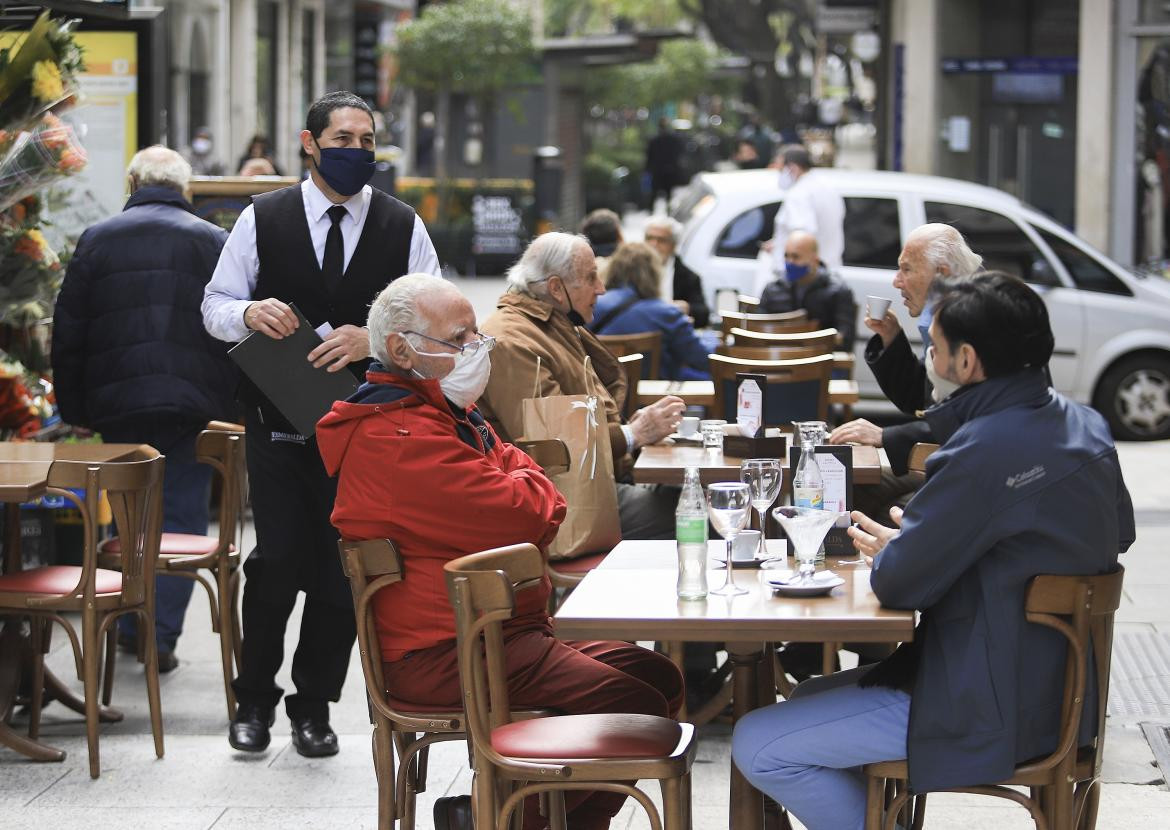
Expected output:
(728, 505)
(806, 527)
(764, 476)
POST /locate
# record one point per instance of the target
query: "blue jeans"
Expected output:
(186, 494)
(806, 752)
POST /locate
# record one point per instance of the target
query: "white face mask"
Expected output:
(941, 388)
(786, 179)
(201, 146)
(466, 382)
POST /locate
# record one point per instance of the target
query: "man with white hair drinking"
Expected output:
(540, 325)
(933, 250)
(409, 446)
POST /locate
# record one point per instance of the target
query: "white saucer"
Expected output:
(823, 583)
(754, 562)
(679, 438)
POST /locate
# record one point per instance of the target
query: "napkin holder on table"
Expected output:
(772, 444)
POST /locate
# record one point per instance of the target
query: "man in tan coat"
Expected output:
(544, 313)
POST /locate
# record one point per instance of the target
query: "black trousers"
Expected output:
(296, 550)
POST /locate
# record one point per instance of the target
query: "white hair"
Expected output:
(673, 226)
(550, 254)
(395, 310)
(159, 166)
(942, 245)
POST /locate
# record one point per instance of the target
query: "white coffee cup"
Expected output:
(876, 307)
(688, 426)
(744, 546)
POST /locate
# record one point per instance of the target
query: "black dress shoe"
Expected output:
(249, 731)
(313, 738)
(453, 813)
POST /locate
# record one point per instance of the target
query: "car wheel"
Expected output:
(1134, 397)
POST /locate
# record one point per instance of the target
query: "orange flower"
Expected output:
(31, 245)
(18, 213)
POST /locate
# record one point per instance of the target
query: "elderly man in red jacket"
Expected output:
(417, 463)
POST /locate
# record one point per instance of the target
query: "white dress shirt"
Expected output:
(229, 292)
(811, 206)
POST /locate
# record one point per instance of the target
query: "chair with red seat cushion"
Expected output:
(221, 446)
(99, 595)
(516, 759)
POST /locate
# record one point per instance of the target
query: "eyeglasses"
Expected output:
(664, 239)
(482, 341)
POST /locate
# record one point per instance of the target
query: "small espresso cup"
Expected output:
(744, 545)
(876, 307)
(712, 434)
(688, 426)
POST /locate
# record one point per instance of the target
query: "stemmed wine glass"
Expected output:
(764, 477)
(728, 506)
(806, 527)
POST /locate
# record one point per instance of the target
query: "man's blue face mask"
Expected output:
(345, 169)
(794, 272)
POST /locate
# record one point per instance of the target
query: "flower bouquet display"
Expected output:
(38, 80)
(30, 271)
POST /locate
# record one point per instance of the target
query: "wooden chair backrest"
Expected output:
(134, 488)
(1081, 608)
(222, 447)
(646, 343)
(632, 363)
(918, 455)
(371, 565)
(809, 402)
(482, 588)
(781, 322)
(823, 339)
(552, 454)
(770, 352)
(748, 304)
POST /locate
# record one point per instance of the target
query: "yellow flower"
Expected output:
(46, 81)
(32, 245)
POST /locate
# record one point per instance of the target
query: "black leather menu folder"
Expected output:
(281, 370)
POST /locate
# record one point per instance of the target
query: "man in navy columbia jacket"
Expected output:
(1026, 482)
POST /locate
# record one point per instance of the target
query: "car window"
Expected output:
(743, 234)
(872, 235)
(1086, 271)
(1001, 242)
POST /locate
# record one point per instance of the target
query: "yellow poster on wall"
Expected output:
(107, 121)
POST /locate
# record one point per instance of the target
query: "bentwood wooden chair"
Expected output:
(187, 555)
(407, 729)
(553, 457)
(825, 340)
(748, 304)
(517, 759)
(1064, 787)
(798, 390)
(918, 455)
(99, 595)
(646, 343)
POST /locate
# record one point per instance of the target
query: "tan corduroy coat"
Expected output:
(526, 328)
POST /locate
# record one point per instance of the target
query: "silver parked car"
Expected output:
(1112, 325)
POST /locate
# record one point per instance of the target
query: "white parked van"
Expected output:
(1112, 325)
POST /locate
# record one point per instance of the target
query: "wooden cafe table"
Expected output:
(24, 470)
(666, 464)
(631, 596)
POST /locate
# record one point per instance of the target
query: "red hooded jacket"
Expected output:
(440, 485)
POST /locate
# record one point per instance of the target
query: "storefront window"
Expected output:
(1154, 11)
(266, 67)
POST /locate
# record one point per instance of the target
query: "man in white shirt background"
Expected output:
(327, 245)
(810, 206)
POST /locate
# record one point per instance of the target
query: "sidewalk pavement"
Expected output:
(202, 783)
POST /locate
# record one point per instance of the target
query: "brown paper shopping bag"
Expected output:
(591, 524)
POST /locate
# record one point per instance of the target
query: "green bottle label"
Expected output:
(690, 529)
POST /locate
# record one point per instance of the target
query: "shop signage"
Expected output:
(1026, 63)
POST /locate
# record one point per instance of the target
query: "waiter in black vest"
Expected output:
(327, 245)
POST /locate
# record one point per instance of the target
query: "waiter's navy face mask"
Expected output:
(345, 169)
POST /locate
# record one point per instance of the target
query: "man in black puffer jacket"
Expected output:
(131, 358)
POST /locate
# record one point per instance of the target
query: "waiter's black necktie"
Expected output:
(334, 258)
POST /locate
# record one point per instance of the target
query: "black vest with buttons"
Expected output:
(290, 273)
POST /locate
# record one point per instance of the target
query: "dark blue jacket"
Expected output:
(129, 345)
(1026, 482)
(684, 352)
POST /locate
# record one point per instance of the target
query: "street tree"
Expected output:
(471, 47)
